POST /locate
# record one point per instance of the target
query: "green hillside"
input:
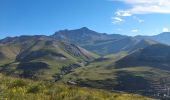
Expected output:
(104, 74)
(40, 57)
(157, 56)
(21, 89)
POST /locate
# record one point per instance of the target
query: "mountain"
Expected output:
(142, 44)
(157, 56)
(51, 57)
(84, 36)
(100, 43)
(144, 71)
(40, 56)
(162, 38)
(11, 46)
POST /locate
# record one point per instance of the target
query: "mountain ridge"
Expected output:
(99, 43)
(162, 37)
(156, 55)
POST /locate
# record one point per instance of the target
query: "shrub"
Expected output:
(34, 89)
(18, 83)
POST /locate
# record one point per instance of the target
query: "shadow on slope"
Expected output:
(24, 69)
(157, 56)
(30, 69)
(131, 83)
(33, 55)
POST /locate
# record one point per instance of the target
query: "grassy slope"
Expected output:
(21, 89)
(97, 70)
(9, 52)
(104, 75)
(53, 63)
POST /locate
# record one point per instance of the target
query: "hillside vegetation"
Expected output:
(21, 89)
(39, 57)
(104, 74)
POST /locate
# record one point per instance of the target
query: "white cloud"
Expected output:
(165, 29)
(135, 30)
(116, 20)
(145, 7)
(123, 13)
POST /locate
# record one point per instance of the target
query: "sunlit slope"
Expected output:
(21, 89)
(40, 57)
(104, 73)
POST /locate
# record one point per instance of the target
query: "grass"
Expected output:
(54, 64)
(97, 70)
(103, 71)
(104, 75)
(22, 89)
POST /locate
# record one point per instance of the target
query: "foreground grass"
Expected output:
(21, 89)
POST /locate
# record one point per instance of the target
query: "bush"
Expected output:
(34, 89)
(17, 83)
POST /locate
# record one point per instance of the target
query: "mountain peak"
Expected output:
(84, 28)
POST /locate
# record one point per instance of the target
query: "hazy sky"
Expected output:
(129, 17)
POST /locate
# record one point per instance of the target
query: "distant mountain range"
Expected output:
(67, 45)
(103, 44)
(99, 43)
(162, 37)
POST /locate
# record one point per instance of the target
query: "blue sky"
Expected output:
(129, 17)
